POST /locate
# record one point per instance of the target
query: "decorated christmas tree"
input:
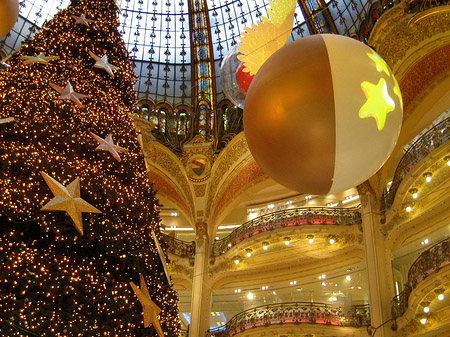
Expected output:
(79, 225)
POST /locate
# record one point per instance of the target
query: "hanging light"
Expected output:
(287, 240)
(310, 238)
(265, 245)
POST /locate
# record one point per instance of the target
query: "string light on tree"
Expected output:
(56, 281)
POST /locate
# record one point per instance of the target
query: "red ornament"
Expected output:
(243, 78)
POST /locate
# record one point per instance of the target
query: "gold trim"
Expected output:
(427, 14)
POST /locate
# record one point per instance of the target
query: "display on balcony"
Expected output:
(323, 114)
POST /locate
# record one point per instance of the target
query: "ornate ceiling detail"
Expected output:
(398, 36)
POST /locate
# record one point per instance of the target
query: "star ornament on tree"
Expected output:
(68, 93)
(68, 199)
(102, 62)
(6, 120)
(41, 58)
(81, 20)
(149, 308)
(107, 144)
(378, 103)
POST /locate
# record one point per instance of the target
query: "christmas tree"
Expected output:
(77, 213)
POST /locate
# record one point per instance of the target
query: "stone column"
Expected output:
(201, 291)
(378, 263)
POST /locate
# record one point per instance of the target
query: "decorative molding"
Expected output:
(250, 175)
(199, 190)
(165, 188)
(418, 81)
(229, 156)
(392, 37)
(160, 157)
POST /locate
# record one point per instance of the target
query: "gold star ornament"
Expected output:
(6, 120)
(81, 20)
(107, 144)
(378, 102)
(68, 93)
(41, 58)
(149, 308)
(102, 62)
(68, 199)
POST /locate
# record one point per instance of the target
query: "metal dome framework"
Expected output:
(177, 46)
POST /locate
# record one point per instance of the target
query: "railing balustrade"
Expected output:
(294, 312)
(417, 151)
(430, 261)
(179, 247)
(286, 218)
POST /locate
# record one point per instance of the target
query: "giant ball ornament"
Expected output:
(322, 114)
(9, 11)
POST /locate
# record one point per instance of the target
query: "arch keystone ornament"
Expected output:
(198, 167)
(323, 114)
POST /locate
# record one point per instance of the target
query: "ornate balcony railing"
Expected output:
(430, 261)
(294, 312)
(418, 150)
(286, 218)
(179, 247)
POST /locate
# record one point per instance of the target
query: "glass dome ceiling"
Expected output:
(172, 41)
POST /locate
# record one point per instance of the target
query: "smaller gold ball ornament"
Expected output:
(323, 114)
(9, 12)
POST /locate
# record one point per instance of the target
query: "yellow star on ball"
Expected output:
(68, 199)
(149, 308)
(41, 58)
(398, 92)
(378, 103)
(379, 62)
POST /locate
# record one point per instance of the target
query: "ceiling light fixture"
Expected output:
(350, 198)
(287, 240)
(310, 238)
(265, 245)
(447, 159)
(414, 193)
(249, 252)
(427, 176)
